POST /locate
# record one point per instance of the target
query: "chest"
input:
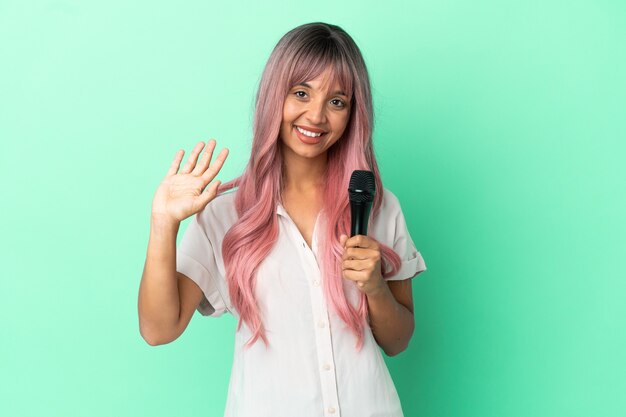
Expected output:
(303, 213)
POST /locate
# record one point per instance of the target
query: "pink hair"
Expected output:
(301, 55)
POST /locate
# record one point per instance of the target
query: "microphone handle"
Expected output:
(360, 216)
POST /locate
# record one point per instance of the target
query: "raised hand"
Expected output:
(181, 194)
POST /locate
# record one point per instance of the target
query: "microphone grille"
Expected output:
(362, 186)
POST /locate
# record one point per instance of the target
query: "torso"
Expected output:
(291, 304)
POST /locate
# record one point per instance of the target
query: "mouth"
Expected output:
(310, 132)
(311, 136)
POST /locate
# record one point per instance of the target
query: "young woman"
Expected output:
(271, 247)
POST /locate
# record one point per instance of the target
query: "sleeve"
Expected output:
(197, 258)
(395, 225)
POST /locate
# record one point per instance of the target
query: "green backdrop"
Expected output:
(500, 127)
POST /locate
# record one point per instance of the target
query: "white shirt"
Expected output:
(311, 367)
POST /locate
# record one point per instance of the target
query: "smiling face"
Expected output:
(315, 115)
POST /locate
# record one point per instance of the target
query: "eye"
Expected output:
(338, 103)
(300, 94)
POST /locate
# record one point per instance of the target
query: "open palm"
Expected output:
(183, 193)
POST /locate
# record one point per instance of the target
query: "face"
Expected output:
(315, 116)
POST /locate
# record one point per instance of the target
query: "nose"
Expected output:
(316, 112)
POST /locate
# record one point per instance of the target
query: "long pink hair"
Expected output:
(301, 55)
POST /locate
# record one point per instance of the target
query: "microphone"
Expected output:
(361, 190)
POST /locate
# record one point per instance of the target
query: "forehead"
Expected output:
(328, 73)
(327, 81)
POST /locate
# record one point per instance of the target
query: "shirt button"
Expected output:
(331, 410)
(326, 367)
(316, 283)
(321, 324)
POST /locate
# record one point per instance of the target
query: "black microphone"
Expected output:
(362, 190)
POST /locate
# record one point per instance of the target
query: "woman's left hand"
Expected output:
(361, 263)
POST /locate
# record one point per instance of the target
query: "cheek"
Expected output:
(285, 125)
(290, 111)
(341, 123)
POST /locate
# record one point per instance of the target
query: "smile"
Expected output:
(308, 133)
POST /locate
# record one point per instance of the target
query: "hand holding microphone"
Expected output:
(361, 261)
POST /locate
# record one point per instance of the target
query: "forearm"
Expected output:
(392, 323)
(159, 302)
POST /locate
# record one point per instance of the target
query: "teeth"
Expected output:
(307, 133)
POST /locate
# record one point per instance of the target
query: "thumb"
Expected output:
(342, 239)
(209, 193)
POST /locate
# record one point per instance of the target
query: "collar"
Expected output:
(280, 210)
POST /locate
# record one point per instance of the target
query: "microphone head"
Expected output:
(362, 188)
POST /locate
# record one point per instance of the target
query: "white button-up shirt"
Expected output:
(311, 367)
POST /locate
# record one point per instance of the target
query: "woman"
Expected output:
(271, 246)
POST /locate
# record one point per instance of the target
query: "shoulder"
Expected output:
(384, 223)
(390, 205)
(219, 215)
(223, 203)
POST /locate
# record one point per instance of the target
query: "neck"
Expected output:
(303, 175)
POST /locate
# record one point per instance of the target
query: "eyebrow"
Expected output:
(338, 92)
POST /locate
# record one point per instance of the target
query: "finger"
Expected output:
(193, 157)
(361, 241)
(359, 253)
(354, 275)
(204, 161)
(209, 193)
(358, 265)
(215, 167)
(175, 163)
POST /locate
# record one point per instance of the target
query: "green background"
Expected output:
(500, 127)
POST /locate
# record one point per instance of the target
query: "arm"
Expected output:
(390, 303)
(391, 315)
(167, 299)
